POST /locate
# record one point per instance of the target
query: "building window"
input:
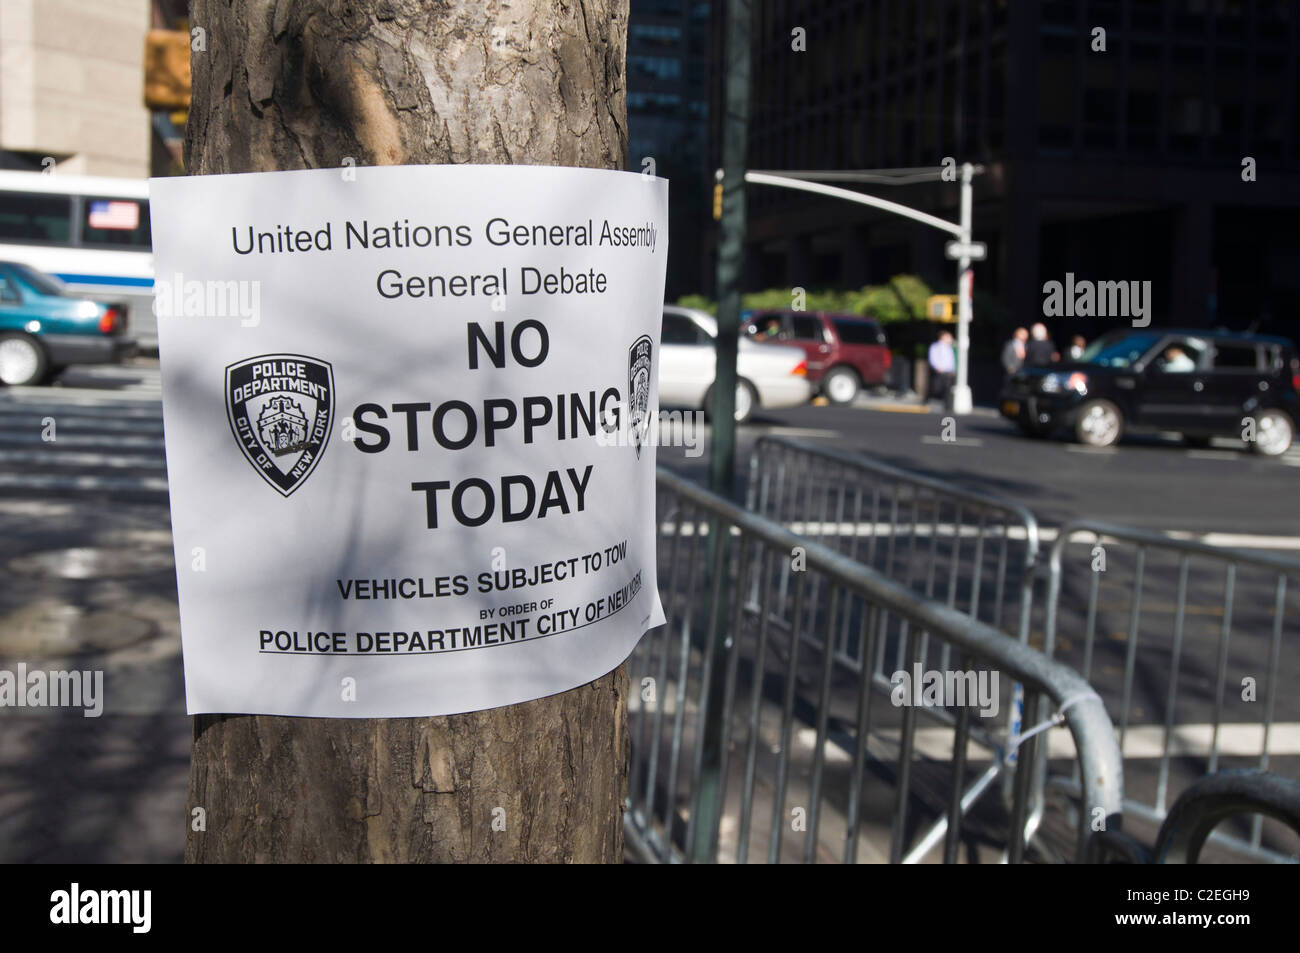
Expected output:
(655, 67)
(648, 34)
(1143, 130)
(661, 103)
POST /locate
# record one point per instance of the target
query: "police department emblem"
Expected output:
(639, 366)
(281, 409)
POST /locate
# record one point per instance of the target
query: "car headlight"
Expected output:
(1056, 383)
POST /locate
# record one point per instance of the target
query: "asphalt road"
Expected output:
(87, 583)
(1152, 482)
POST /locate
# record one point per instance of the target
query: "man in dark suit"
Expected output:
(1040, 351)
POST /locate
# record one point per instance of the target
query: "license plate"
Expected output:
(1011, 407)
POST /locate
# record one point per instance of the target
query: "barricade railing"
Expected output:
(973, 551)
(756, 720)
(1184, 640)
(1216, 797)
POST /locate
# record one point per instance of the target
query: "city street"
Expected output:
(1148, 482)
(89, 581)
(464, 573)
(109, 446)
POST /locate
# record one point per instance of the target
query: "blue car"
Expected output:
(44, 328)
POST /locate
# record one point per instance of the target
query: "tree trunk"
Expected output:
(285, 85)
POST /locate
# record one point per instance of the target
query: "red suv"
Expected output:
(846, 352)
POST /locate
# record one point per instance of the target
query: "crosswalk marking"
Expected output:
(51, 482)
(152, 423)
(1231, 449)
(80, 440)
(955, 441)
(72, 459)
(107, 437)
(1046, 534)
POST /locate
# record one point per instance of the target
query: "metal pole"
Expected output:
(788, 181)
(961, 396)
(722, 448)
(731, 249)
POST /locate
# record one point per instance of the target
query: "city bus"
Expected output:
(90, 232)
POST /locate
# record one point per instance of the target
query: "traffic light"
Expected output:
(941, 308)
(167, 70)
(717, 202)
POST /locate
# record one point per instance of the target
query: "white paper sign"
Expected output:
(406, 413)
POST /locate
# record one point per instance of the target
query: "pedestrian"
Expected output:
(1040, 351)
(943, 365)
(1077, 347)
(1013, 352)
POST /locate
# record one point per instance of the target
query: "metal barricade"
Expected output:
(974, 551)
(756, 720)
(1189, 655)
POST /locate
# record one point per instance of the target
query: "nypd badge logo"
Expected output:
(639, 366)
(281, 409)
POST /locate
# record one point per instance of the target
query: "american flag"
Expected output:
(118, 215)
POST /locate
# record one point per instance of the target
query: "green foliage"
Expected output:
(699, 302)
(913, 292)
(900, 303)
(771, 298)
(901, 299)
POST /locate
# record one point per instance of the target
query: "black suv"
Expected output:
(1199, 383)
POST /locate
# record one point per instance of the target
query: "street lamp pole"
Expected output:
(962, 402)
(962, 250)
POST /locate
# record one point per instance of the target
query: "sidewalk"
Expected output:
(90, 587)
(908, 402)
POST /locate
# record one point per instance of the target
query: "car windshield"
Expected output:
(1118, 350)
(43, 283)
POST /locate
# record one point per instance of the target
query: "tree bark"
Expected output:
(280, 84)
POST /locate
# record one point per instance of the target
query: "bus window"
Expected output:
(121, 222)
(30, 217)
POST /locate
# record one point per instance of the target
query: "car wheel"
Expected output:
(841, 385)
(1099, 424)
(746, 401)
(1199, 441)
(22, 360)
(1032, 430)
(1273, 433)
